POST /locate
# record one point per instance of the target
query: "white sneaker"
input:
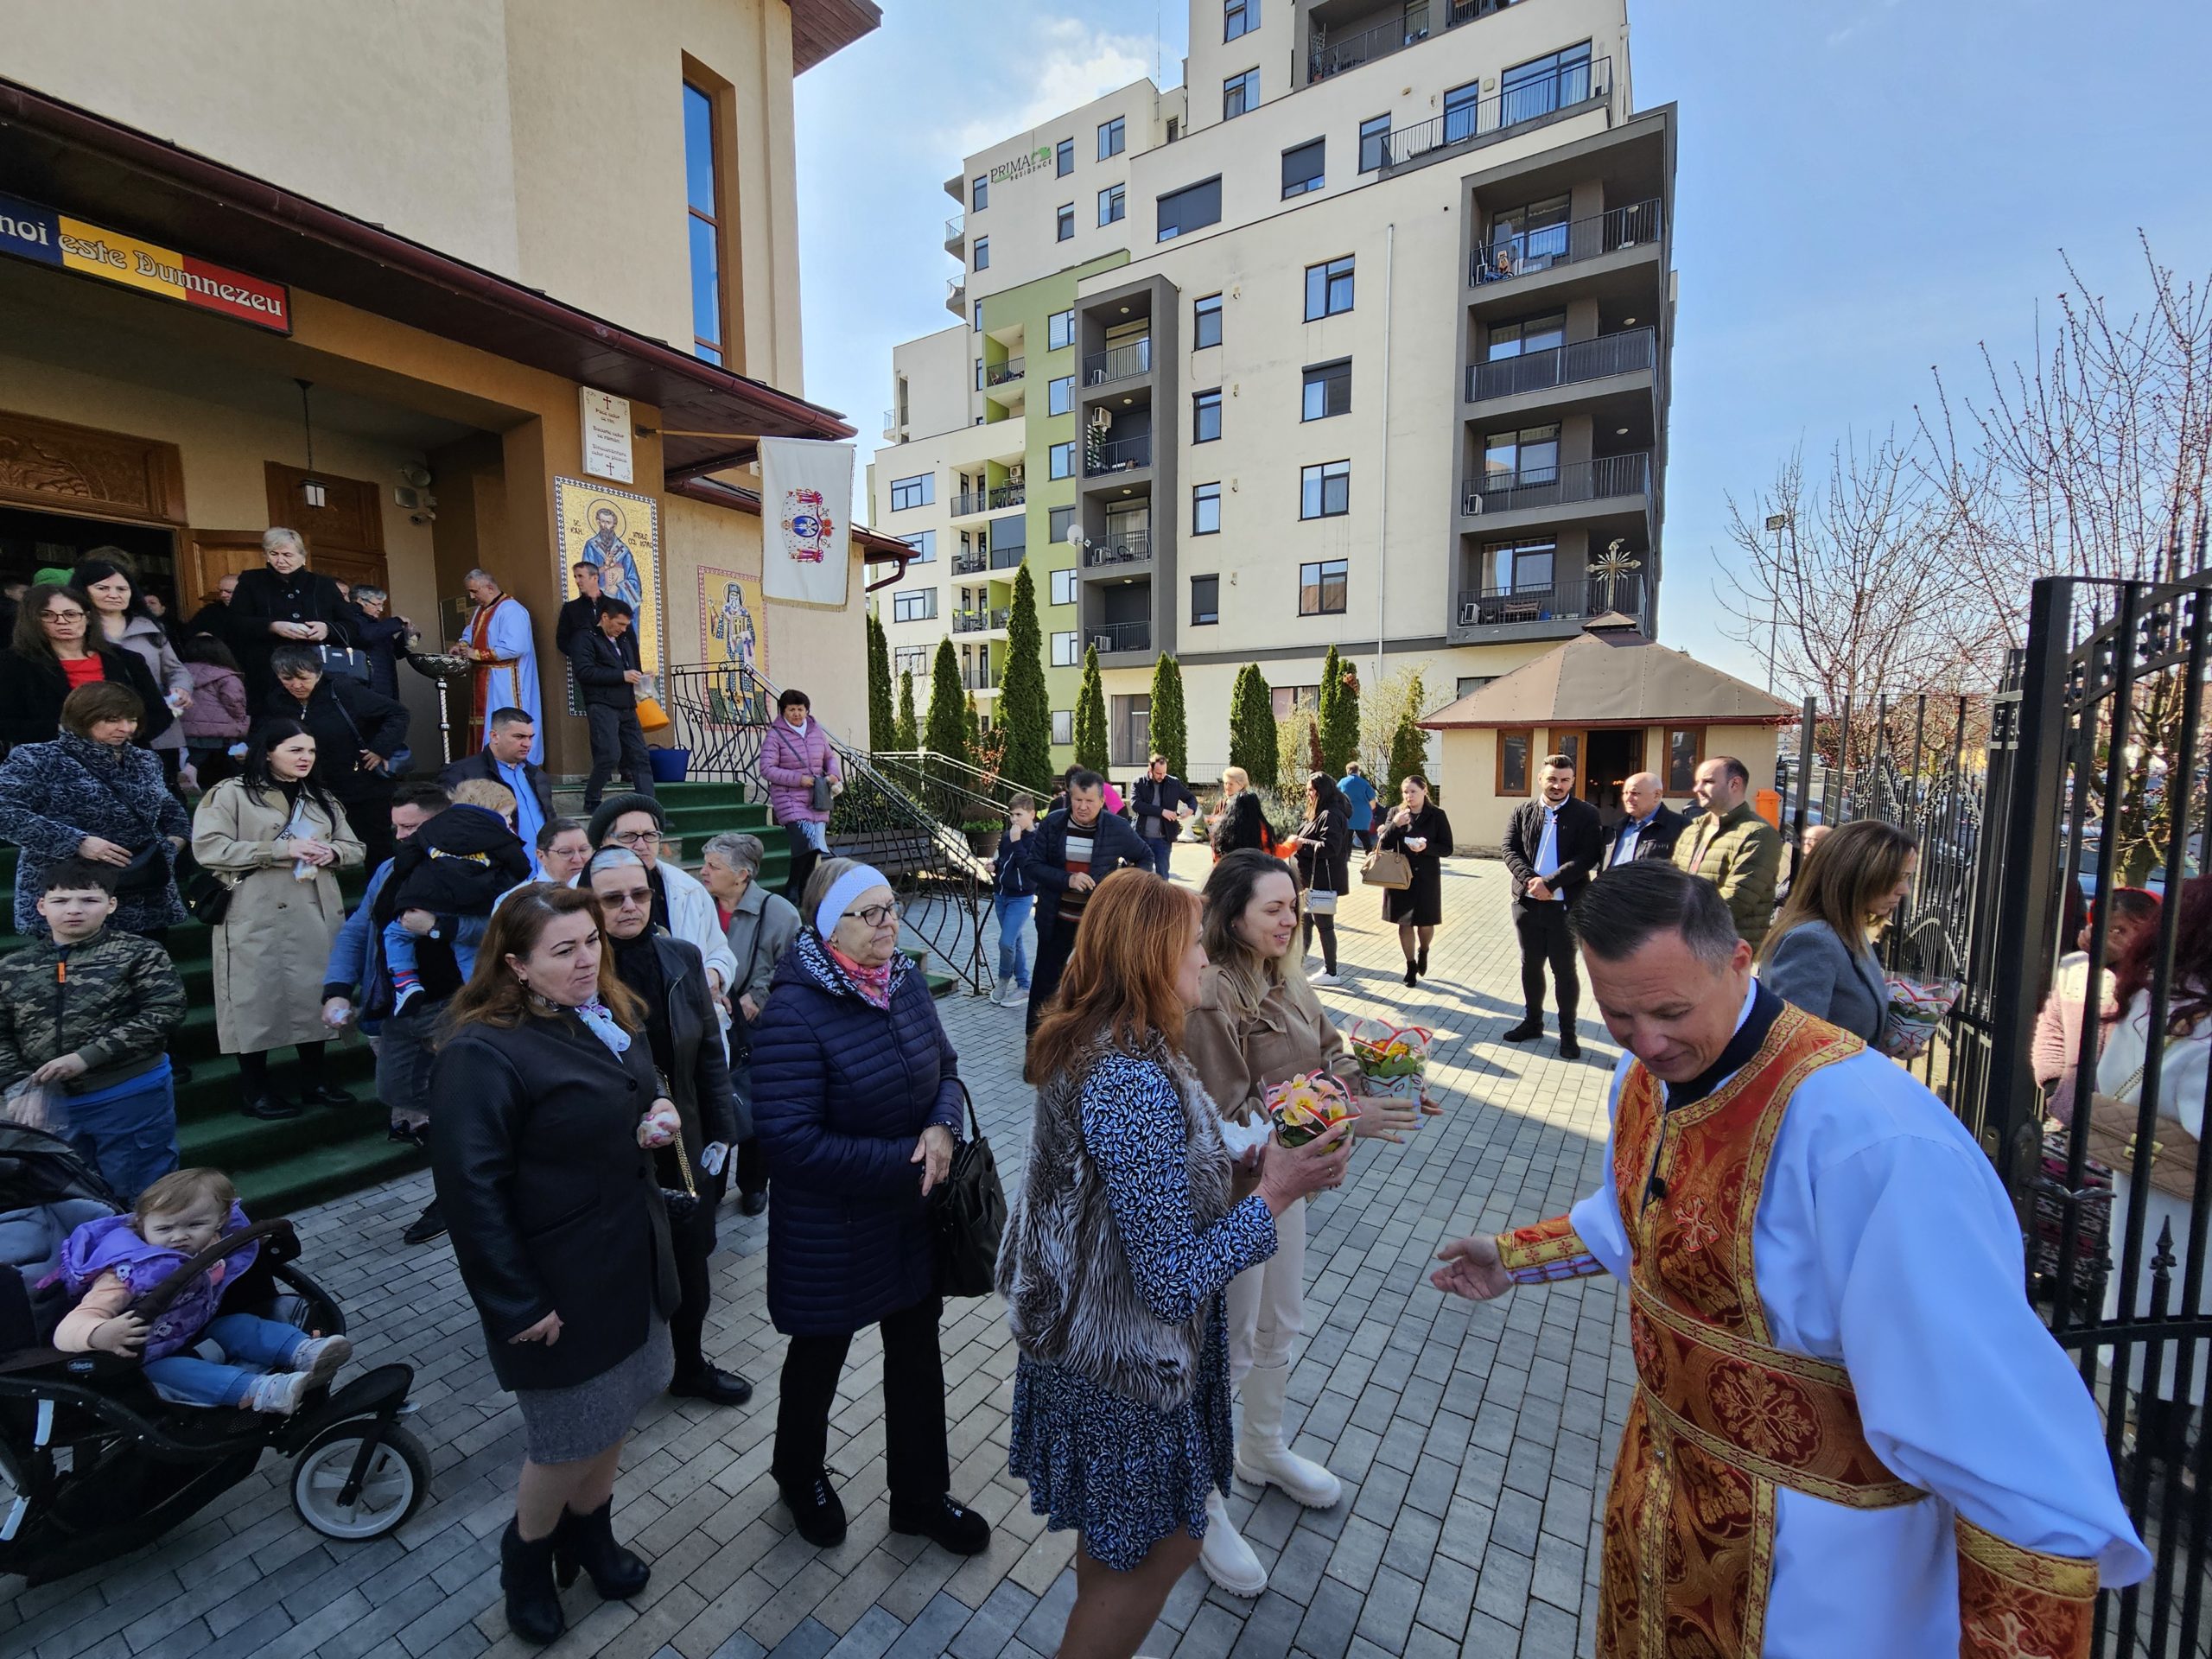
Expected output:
(279, 1393)
(318, 1360)
(1325, 979)
(1016, 996)
(998, 992)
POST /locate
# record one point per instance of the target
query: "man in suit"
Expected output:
(505, 759)
(1553, 845)
(605, 659)
(1649, 828)
(1734, 848)
(1161, 806)
(1079, 846)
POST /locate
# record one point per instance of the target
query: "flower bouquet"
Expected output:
(1392, 1059)
(1309, 1105)
(1916, 1009)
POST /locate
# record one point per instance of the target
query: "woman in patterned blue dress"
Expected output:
(1130, 1221)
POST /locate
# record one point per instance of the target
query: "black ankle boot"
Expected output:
(526, 1574)
(587, 1542)
(1421, 962)
(1410, 970)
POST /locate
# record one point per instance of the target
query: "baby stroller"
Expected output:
(94, 1464)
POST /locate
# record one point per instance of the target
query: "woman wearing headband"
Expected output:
(857, 1101)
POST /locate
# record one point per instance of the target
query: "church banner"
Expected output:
(806, 494)
(619, 530)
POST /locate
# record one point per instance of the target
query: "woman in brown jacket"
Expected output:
(1258, 1023)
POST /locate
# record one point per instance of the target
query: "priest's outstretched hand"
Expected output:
(1472, 1269)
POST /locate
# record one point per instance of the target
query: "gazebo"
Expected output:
(1615, 702)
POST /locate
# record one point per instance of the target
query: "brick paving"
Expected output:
(1472, 1442)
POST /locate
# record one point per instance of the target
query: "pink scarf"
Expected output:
(873, 983)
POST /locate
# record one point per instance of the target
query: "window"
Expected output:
(1542, 333)
(1058, 519)
(979, 374)
(1064, 155)
(1287, 700)
(1206, 510)
(1328, 391)
(702, 195)
(1205, 601)
(916, 492)
(1062, 725)
(923, 541)
(1206, 415)
(1513, 751)
(1470, 684)
(1522, 566)
(1063, 223)
(1530, 237)
(1685, 754)
(1239, 18)
(1528, 456)
(1191, 208)
(1373, 142)
(1301, 168)
(1061, 395)
(1113, 139)
(1059, 330)
(982, 263)
(1328, 289)
(1065, 654)
(1113, 203)
(1174, 129)
(979, 320)
(979, 194)
(1462, 106)
(1063, 461)
(917, 607)
(1064, 587)
(1321, 588)
(1543, 85)
(911, 659)
(1239, 94)
(1205, 322)
(1325, 491)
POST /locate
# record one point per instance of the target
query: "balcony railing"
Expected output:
(1121, 549)
(969, 622)
(970, 564)
(1564, 600)
(956, 229)
(1122, 456)
(955, 297)
(1474, 121)
(892, 426)
(990, 500)
(1111, 637)
(977, 680)
(999, 373)
(1563, 366)
(1524, 252)
(1001, 615)
(1118, 362)
(1549, 486)
(1007, 554)
(1333, 58)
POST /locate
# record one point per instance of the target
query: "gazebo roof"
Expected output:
(1611, 675)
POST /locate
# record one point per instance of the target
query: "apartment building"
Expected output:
(1359, 337)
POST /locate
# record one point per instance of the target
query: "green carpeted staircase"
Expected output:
(282, 1166)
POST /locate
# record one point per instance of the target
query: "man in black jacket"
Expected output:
(509, 735)
(605, 658)
(1160, 806)
(1648, 828)
(579, 614)
(1079, 846)
(356, 734)
(1552, 846)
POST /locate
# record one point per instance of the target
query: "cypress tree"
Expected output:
(905, 737)
(1024, 715)
(1252, 727)
(1339, 716)
(1170, 734)
(882, 723)
(974, 722)
(945, 732)
(1090, 715)
(1409, 752)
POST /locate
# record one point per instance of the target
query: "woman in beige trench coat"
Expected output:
(276, 839)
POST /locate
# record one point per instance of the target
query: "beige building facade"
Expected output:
(492, 211)
(1358, 338)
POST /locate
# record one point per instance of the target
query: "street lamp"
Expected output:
(1777, 522)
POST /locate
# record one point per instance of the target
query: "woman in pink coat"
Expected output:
(796, 755)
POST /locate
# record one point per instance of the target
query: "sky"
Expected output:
(1866, 190)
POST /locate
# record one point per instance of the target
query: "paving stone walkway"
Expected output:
(1473, 1442)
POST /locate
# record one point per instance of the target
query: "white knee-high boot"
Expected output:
(1228, 1560)
(1264, 1458)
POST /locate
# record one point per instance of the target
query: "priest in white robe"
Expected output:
(1850, 1433)
(498, 640)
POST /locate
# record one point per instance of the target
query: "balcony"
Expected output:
(1118, 363)
(956, 235)
(1119, 552)
(1008, 556)
(1121, 455)
(1625, 353)
(1602, 479)
(969, 622)
(956, 296)
(893, 426)
(1472, 126)
(976, 680)
(999, 374)
(997, 497)
(1526, 252)
(1110, 637)
(970, 564)
(1332, 58)
(1567, 600)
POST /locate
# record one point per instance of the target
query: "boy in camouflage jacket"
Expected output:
(85, 1015)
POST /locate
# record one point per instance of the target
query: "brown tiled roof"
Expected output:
(1613, 676)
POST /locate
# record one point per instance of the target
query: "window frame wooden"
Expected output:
(1527, 735)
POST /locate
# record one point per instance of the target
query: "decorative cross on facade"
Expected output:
(1612, 569)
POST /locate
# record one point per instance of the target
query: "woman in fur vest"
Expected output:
(1128, 1224)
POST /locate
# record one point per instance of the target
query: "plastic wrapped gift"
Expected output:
(1392, 1059)
(1306, 1106)
(1918, 1008)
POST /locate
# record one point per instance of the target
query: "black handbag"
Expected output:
(347, 662)
(149, 868)
(969, 1209)
(206, 894)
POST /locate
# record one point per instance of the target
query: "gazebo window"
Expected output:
(1685, 753)
(1513, 748)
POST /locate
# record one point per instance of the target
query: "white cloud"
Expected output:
(1068, 63)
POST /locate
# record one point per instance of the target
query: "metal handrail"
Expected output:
(1134, 550)
(1379, 42)
(1006, 555)
(1543, 486)
(968, 622)
(1525, 253)
(1583, 359)
(1124, 454)
(969, 564)
(991, 500)
(1569, 597)
(1119, 636)
(1118, 362)
(954, 228)
(998, 374)
(1534, 100)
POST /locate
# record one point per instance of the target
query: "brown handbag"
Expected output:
(1388, 868)
(2113, 1125)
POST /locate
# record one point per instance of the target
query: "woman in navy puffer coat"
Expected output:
(857, 1100)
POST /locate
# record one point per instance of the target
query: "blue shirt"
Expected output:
(530, 816)
(1629, 832)
(1359, 795)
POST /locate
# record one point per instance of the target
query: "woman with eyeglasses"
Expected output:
(120, 617)
(52, 652)
(856, 1099)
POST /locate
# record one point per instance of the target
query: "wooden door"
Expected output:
(216, 553)
(344, 534)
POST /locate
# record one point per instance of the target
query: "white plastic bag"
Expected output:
(36, 1107)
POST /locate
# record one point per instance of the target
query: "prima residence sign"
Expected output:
(1036, 161)
(28, 230)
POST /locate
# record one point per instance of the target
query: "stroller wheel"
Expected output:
(398, 1481)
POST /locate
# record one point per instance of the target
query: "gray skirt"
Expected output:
(583, 1420)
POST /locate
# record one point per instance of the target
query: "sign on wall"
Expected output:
(606, 435)
(619, 530)
(30, 232)
(731, 641)
(806, 488)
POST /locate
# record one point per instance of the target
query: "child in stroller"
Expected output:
(457, 864)
(267, 1365)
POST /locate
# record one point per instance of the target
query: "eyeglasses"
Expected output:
(874, 915)
(636, 837)
(642, 897)
(57, 615)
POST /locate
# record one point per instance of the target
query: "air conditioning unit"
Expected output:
(1469, 612)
